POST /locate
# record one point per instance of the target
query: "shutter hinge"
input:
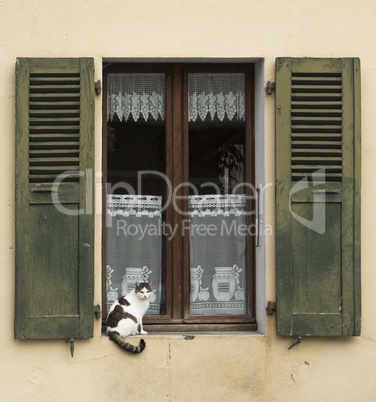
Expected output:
(271, 306)
(270, 86)
(98, 87)
(97, 311)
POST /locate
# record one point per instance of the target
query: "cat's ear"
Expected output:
(137, 284)
(151, 284)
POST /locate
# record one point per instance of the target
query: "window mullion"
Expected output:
(177, 178)
(168, 249)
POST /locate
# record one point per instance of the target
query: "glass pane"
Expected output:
(217, 204)
(135, 143)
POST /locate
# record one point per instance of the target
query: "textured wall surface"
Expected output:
(245, 367)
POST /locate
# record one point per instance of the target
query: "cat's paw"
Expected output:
(143, 332)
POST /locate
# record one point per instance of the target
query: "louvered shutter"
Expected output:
(54, 198)
(318, 196)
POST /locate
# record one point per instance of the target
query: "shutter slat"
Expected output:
(47, 178)
(54, 137)
(317, 119)
(316, 143)
(60, 79)
(60, 113)
(316, 152)
(320, 89)
(318, 159)
(314, 167)
(53, 151)
(54, 129)
(35, 161)
(314, 104)
(58, 104)
(55, 119)
(316, 129)
(55, 144)
(316, 97)
(298, 79)
(313, 111)
(319, 136)
(51, 168)
(55, 89)
(54, 99)
(296, 176)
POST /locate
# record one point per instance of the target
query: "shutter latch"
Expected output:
(98, 87)
(270, 86)
(97, 311)
(271, 306)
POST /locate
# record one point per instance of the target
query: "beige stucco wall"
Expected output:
(247, 367)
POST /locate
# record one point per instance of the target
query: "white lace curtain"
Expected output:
(212, 97)
(217, 250)
(216, 97)
(134, 246)
(217, 254)
(135, 96)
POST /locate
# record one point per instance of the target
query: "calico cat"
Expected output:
(125, 316)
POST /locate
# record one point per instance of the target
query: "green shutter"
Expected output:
(54, 224)
(318, 196)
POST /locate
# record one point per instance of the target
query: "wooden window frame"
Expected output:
(176, 252)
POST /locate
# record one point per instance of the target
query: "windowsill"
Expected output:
(192, 335)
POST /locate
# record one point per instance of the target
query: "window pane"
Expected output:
(217, 203)
(135, 143)
(216, 132)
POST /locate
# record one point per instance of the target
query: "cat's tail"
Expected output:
(115, 336)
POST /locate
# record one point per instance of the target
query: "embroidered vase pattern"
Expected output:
(196, 288)
(225, 281)
(196, 275)
(112, 293)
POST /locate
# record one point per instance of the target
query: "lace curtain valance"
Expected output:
(138, 205)
(217, 205)
(216, 97)
(212, 97)
(135, 96)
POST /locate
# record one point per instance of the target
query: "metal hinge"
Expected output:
(97, 311)
(270, 86)
(71, 346)
(271, 306)
(296, 342)
(98, 87)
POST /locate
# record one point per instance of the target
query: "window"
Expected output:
(188, 129)
(180, 198)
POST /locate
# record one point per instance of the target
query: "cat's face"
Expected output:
(144, 290)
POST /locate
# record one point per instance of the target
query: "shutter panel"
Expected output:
(318, 196)
(54, 221)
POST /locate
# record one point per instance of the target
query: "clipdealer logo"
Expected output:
(173, 195)
(317, 224)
